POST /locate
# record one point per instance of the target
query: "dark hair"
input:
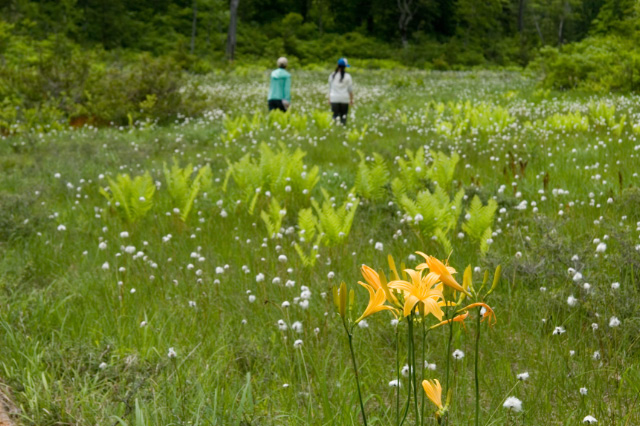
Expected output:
(338, 68)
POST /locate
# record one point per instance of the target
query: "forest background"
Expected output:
(101, 62)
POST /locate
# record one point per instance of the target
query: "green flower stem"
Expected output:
(355, 369)
(422, 366)
(412, 370)
(409, 343)
(476, 369)
(397, 378)
(448, 356)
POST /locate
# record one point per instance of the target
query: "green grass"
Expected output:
(62, 315)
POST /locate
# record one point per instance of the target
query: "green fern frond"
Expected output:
(133, 198)
(479, 220)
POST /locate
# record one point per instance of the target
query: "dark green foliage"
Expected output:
(594, 64)
(51, 83)
(439, 34)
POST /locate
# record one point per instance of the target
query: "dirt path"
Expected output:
(5, 409)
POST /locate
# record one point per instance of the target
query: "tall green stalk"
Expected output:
(422, 366)
(397, 378)
(355, 370)
(476, 369)
(412, 370)
(409, 343)
(448, 358)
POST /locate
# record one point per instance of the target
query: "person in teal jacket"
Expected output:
(280, 89)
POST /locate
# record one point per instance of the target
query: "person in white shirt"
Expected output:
(340, 91)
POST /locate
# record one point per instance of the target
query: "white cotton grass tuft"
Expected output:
(458, 354)
(572, 301)
(512, 403)
(590, 420)
(523, 376)
(405, 370)
(614, 322)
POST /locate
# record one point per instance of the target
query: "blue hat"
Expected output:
(343, 62)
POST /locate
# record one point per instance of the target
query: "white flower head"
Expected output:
(583, 391)
(458, 354)
(523, 376)
(614, 322)
(297, 343)
(405, 370)
(590, 420)
(297, 327)
(512, 403)
(172, 353)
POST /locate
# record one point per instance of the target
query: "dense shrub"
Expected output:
(48, 84)
(594, 64)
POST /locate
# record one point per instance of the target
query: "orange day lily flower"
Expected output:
(377, 293)
(434, 392)
(420, 289)
(488, 311)
(457, 318)
(373, 279)
(376, 302)
(443, 272)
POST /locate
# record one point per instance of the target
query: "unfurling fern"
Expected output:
(285, 172)
(371, 180)
(413, 173)
(273, 219)
(281, 172)
(433, 215)
(235, 127)
(442, 169)
(322, 119)
(355, 135)
(132, 198)
(479, 220)
(307, 226)
(247, 175)
(602, 113)
(184, 190)
(335, 223)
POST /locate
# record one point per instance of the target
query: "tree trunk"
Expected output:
(560, 26)
(539, 30)
(194, 25)
(233, 25)
(521, 15)
(406, 15)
